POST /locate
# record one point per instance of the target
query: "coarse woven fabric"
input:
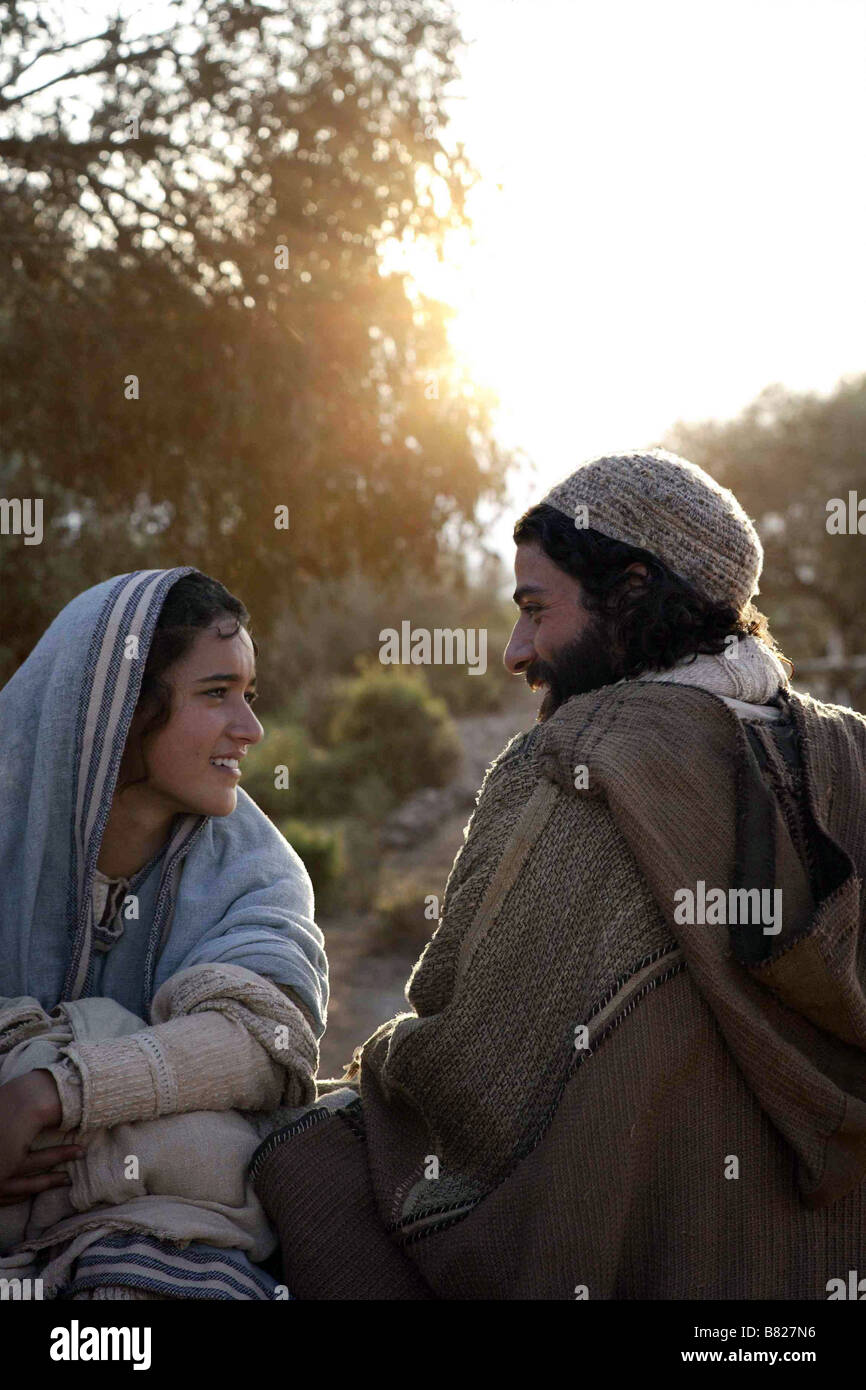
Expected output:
(601, 1162)
(746, 674)
(224, 1038)
(673, 508)
(224, 889)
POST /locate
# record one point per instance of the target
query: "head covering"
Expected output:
(223, 888)
(662, 503)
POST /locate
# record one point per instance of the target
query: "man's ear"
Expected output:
(640, 572)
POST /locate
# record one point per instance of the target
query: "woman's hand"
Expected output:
(29, 1105)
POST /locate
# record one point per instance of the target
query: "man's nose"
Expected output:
(519, 652)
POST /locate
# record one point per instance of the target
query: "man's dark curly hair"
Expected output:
(653, 624)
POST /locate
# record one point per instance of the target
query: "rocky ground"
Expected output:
(368, 973)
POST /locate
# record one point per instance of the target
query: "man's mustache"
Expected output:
(537, 674)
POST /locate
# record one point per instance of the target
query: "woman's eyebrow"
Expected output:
(223, 676)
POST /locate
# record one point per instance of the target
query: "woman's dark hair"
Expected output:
(195, 602)
(654, 624)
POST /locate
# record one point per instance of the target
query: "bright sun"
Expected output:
(647, 248)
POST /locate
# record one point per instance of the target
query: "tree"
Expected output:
(786, 456)
(194, 329)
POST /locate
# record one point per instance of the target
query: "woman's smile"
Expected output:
(230, 768)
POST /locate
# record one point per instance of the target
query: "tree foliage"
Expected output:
(786, 456)
(153, 173)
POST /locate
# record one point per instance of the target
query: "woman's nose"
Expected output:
(248, 729)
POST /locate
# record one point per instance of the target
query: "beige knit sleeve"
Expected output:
(229, 1040)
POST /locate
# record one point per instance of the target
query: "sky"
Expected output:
(681, 221)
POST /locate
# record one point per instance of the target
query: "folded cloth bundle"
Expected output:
(178, 1177)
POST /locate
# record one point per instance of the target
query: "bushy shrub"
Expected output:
(466, 694)
(323, 782)
(363, 858)
(322, 852)
(372, 799)
(398, 730)
(388, 737)
(284, 745)
(322, 697)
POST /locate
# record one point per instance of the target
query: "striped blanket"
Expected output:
(163, 1270)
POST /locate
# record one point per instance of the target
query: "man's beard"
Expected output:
(585, 664)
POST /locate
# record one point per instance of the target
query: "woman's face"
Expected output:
(212, 690)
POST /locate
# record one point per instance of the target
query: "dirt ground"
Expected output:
(367, 985)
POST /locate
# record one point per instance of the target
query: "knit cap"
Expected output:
(674, 509)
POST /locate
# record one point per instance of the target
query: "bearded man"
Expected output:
(635, 1066)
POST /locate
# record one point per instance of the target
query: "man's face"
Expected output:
(555, 643)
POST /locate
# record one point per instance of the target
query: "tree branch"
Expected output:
(98, 188)
(52, 53)
(106, 64)
(31, 153)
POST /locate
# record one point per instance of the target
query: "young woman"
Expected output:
(129, 854)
